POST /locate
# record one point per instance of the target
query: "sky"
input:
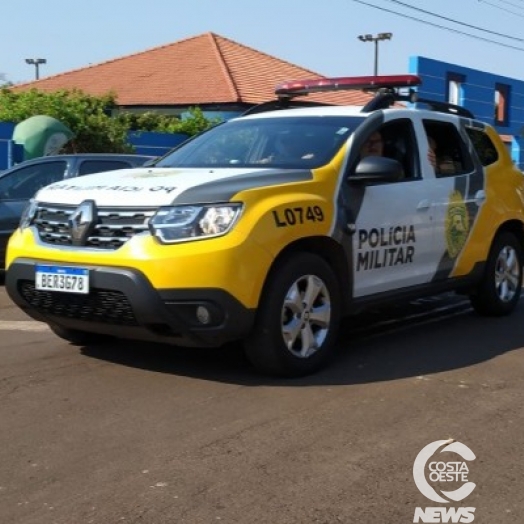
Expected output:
(321, 36)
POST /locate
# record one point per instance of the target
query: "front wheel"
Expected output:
(298, 318)
(500, 288)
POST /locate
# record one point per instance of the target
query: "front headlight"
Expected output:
(28, 214)
(179, 223)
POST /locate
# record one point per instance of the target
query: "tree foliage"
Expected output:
(90, 118)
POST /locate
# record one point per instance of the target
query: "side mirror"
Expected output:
(376, 169)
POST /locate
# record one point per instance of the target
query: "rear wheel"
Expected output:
(77, 337)
(298, 317)
(500, 289)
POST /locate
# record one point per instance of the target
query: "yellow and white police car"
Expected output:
(271, 227)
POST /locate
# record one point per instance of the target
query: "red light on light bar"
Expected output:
(303, 87)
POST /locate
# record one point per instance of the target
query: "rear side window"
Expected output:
(484, 147)
(88, 167)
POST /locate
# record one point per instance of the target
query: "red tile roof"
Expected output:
(204, 69)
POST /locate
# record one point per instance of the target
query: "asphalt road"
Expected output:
(149, 434)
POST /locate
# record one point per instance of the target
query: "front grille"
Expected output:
(112, 227)
(101, 305)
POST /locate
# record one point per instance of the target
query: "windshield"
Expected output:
(287, 142)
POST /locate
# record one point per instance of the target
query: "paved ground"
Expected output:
(148, 434)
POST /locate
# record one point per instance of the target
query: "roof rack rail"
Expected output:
(385, 99)
(445, 107)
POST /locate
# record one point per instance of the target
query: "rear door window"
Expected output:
(451, 151)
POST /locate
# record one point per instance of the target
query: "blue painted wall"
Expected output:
(10, 153)
(211, 115)
(157, 144)
(144, 142)
(477, 94)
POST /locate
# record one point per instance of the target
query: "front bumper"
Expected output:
(123, 303)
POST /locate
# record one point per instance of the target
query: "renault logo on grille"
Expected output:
(82, 222)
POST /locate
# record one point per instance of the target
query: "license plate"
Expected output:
(65, 279)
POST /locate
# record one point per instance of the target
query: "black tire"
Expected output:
(312, 341)
(77, 337)
(499, 291)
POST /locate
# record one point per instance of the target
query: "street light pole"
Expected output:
(36, 62)
(375, 39)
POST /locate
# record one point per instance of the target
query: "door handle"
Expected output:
(423, 205)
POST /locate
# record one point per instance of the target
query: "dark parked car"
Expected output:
(21, 182)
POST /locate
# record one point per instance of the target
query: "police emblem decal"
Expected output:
(457, 224)
(82, 221)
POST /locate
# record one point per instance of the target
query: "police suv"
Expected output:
(271, 227)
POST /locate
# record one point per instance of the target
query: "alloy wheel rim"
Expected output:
(507, 274)
(306, 316)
